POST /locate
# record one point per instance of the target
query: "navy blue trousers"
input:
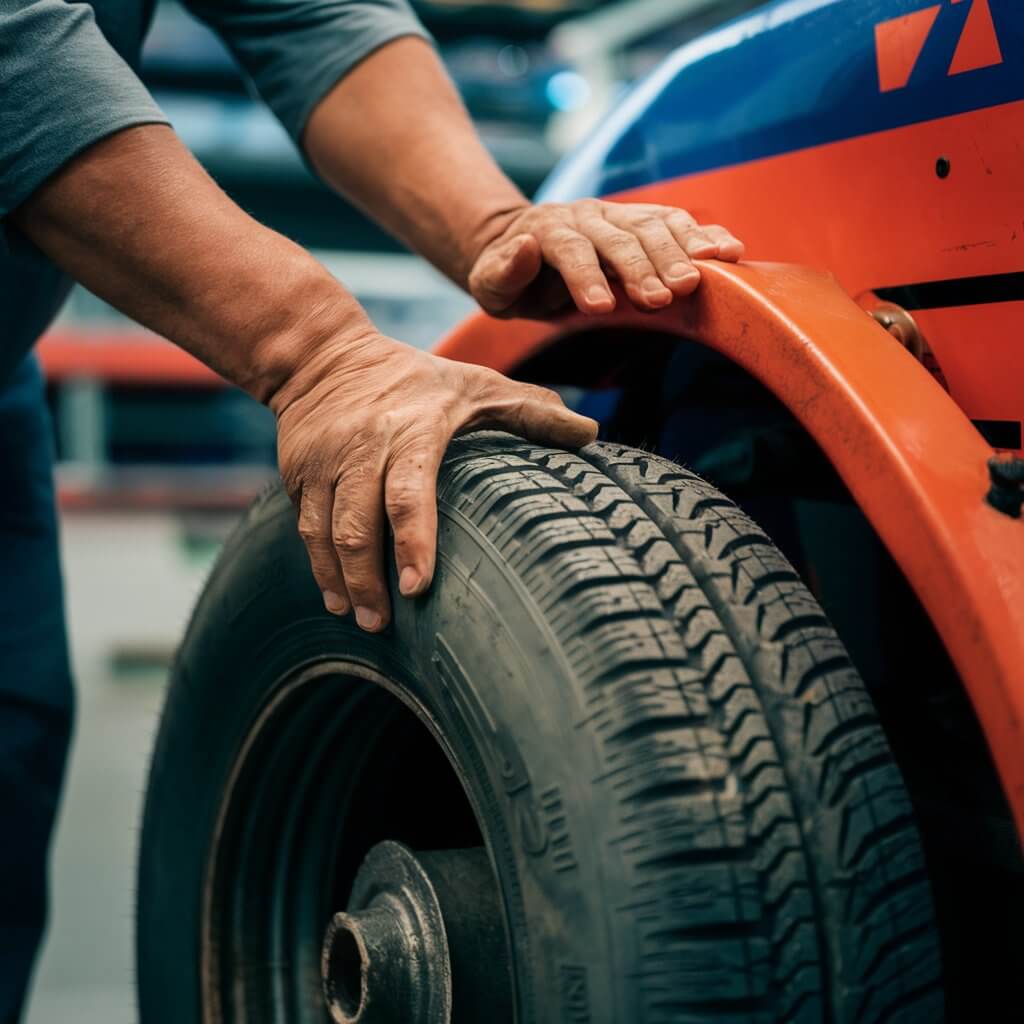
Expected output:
(36, 701)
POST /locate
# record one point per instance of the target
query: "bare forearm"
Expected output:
(394, 137)
(363, 420)
(140, 223)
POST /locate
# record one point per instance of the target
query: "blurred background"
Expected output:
(157, 456)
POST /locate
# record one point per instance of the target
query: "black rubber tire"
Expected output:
(691, 808)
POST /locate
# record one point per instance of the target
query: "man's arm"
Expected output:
(363, 421)
(139, 222)
(394, 136)
(360, 88)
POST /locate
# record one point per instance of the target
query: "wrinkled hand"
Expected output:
(547, 257)
(361, 434)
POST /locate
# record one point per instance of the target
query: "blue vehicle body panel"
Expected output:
(792, 75)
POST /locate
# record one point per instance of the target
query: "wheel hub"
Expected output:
(417, 928)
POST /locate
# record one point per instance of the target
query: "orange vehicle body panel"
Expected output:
(873, 211)
(913, 461)
(843, 207)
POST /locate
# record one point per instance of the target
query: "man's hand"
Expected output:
(545, 258)
(394, 136)
(362, 430)
(363, 421)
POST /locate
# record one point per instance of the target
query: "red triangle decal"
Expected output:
(978, 46)
(898, 44)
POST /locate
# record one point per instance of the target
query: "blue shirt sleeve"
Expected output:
(62, 88)
(297, 50)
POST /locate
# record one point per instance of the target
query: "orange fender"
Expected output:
(912, 460)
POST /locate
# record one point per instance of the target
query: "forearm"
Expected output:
(394, 137)
(139, 223)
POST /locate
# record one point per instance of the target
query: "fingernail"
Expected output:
(335, 603)
(409, 581)
(596, 295)
(367, 618)
(680, 271)
(655, 291)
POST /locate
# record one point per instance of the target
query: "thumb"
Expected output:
(504, 272)
(539, 414)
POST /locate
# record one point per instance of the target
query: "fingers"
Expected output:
(343, 530)
(669, 258)
(357, 536)
(650, 246)
(729, 246)
(350, 473)
(575, 258)
(410, 499)
(503, 275)
(702, 241)
(621, 250)
(315, 530)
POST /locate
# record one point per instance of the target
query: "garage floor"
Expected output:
(131, 581)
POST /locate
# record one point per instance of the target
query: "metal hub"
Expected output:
(418, 928)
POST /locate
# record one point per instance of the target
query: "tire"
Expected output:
(618, 686)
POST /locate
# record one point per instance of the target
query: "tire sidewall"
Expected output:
(476, 659)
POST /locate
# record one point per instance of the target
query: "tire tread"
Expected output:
(747, 758)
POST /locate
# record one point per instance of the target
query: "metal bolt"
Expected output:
(902, 326)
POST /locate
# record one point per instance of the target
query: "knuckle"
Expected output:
(668, 248)
(310, 534)
(625, 247)
(502, 384)
(543, 394)
(353, 437)
(519, 413)
(387, 423)
(680, 219)
(481, 382)
(477, 281)
(351, 542)
(567, 240)
(403, 500)
(638, 261)
(646, 221)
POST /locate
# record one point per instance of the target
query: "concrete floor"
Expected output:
(131, 581)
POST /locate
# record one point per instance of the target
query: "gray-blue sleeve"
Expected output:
(62, 88)
(295, 51)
